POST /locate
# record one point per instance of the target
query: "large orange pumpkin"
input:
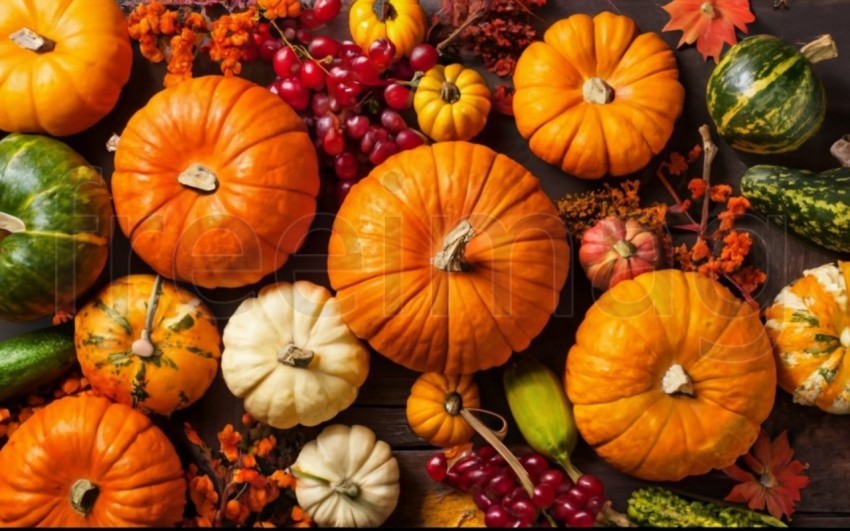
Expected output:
(215, 182)
(62, 64)
(596, 96)
(670, 376)
(447, 258)
(86, 462)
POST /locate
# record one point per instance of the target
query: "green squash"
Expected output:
(813, 206)
(764, 96)
(55, 226)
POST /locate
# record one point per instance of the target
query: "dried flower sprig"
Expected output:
(244, 482)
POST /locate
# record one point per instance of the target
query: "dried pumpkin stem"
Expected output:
(10, 224)
(596, 90)
(32, 41)
(841, 150)
(384, 10)
(709, 152)
(144, 347)
(451, 258)
(449, 92)
(198, 177)
(820, 49)
(83, 496)
(625, 249)
(453, 404)
(348, 488)
(295, 356)
(677, 381)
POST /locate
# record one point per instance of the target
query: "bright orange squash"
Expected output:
(448, 258)
(597, 97)
(84, 462)
(215, 182)
(671, 376)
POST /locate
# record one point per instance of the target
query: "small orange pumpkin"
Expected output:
(62, 64)
(671, 376)
(215, 182)
(84, 462)
(433, 408)
(160, 360)
(596, 96)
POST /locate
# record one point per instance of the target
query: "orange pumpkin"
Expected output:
(62, 64)
(160, 360)
(596, 96)
(447, 258)
(85, 462)
(670, 376)
(215, 182)
(433, 408)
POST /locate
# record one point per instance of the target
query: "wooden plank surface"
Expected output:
(820, 439)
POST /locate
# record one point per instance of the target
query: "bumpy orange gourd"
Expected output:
(597, 97)
(434, 404)
(809, 326)
(184, 335)
(670, 376)
(448, 258)
(403, 22)
(215, 182)
(85, 462)
(67, 72)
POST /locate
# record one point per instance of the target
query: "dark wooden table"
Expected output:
(820, 439)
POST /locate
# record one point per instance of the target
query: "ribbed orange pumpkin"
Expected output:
(434, 404)
(86, 462)
(215, 182)
(670, 376)
(447, 258)
(67, 72)
(597, 97)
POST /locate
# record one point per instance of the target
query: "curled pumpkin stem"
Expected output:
(841, 150)
(709, 150)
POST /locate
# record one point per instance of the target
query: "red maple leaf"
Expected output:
(709, 23)
(777, 477)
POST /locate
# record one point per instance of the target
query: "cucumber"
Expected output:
(35, 359)
(813, 206)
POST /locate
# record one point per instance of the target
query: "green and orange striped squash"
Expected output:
(55, 226)
(184, 334)
(764, 96)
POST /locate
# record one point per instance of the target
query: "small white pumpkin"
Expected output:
(347, 478)
(291, 357)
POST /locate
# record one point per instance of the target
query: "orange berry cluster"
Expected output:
(229, 34)
(273, 9)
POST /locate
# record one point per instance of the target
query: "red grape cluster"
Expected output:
(349, 98)
(496, 491)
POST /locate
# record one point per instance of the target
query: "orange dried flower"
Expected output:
(749, 278)
(694, 153)
(697, 188)
(273, 9)
(204, 496)
(236, 511)
(282, 479)
(247, 420)
(229, 35)
(719, 193)
(230, 440)
(4, 414)
(266, 445)
(249, 461)
(700, 250)
(258, 497)
(196, 22)
(678, 164)
(736, 248)
(736, 207)
(249, 475)
(192, 435)
(168, 23)
(182, 57)
(298, 515)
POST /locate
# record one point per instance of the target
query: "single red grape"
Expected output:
(322, 46)
(482, 501)
(375, 133)
(497, 516)
(552, 477)
(356, 126)
(320, 103)
(364, 70)
(333, 142)
(250, 53)
(348, 51)
(345, 166)
(302, 35)
(338, 75)
(564, 509)
(346, 93)
(465, 464)
(325, 124)
(397, 96)
(403, 70)
(590, 485)
(383, 150)
(524, 511)
(312, 75)
(501, 485)
(582, 519)
(264, 28)
(284, 62)
(543, 496)
(534, 463)
(257, 38)
(309, 20)
(294, 93)
(326, 10)
(485, 452)
(594, 504)
(382, 52)
(423, 57)
(269, 48)
(393, 121)
(437, 466)
(498, 460)
(578, 496)
(409, 139)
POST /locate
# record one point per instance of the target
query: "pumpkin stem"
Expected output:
(83, 495)
(9, 224)
(143, 347)
(295, 356)
(820, 49)
(453, 404)
(348, 488)
(596, 90)
(676, 380)
(199, 177)
(32, 41)
(112, 143)
(449, 92)
(625, 249)
(384, 10)
(841, 150)
(451, 259)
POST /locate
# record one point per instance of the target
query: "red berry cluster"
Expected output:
(496, 491)
(349, 98)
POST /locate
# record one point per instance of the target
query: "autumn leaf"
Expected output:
(709, 23)
(503, 98)
(775, 480)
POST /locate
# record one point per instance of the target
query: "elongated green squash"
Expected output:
(35, 359)
(813, 206)
(656, 507)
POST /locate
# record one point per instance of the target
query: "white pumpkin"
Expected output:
(347, 478)
(291, 357)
